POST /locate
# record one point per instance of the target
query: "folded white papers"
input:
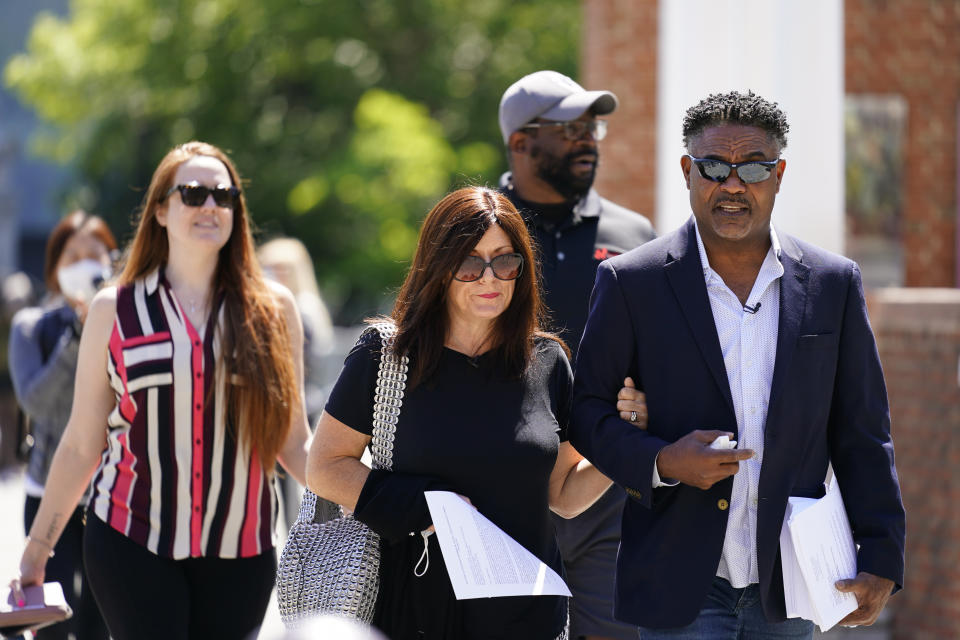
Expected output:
(483, 561)
(723, 442)
(817, 550)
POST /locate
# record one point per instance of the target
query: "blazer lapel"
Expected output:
(685, 275)
(793, 299)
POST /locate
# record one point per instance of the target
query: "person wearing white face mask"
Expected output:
(44, 343)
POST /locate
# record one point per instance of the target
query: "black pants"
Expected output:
(66, 567)
(144, 596)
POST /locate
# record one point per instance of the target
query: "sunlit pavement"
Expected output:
(11, 517)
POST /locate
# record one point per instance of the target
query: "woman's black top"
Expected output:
(476, 431)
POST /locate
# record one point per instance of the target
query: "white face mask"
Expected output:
(81, 280)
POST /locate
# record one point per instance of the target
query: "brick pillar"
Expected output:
(918, 334)
(619, 53)
(912, 48)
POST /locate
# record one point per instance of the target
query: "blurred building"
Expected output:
(29, 188)
(899, 65)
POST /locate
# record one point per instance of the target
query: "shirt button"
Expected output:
(753, 502)
(198, 440)
(561, 255)
(722, 504)
(557, 234)
(196, 343)
(198, 407)
(196, 509)
(199, 375)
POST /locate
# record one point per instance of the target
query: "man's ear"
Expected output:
(781, 167)
(686, 164)
(518, 142)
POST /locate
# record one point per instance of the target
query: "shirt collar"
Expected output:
(586, 207)
(771, 263)
(151, 281)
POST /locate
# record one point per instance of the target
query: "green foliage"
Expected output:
(348, 119)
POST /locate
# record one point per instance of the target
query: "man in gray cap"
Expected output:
(550, 127)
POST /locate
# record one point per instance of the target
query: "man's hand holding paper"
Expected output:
(691, 459)
(872, 593)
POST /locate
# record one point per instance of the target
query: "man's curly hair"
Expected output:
(736, 108)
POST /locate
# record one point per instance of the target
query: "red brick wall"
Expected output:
(619, 53)
(918, 333)
(905, 47)
(912, 48)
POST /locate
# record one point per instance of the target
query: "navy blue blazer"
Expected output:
(650, 318)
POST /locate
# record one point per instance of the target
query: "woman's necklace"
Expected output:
(192, 304)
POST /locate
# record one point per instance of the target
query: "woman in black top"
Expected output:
(484, 414)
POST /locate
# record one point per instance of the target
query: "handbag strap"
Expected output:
(387, 399)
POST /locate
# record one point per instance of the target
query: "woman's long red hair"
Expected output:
(255, 344)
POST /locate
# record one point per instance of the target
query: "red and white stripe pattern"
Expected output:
(173, 476)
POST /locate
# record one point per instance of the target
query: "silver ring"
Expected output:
(633, 416)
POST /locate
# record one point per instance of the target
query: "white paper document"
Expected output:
(482, 560)
(817, 550)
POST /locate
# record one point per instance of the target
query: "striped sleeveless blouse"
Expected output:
(172, 477)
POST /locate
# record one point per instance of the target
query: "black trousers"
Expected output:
(144, 596)
(66, 567)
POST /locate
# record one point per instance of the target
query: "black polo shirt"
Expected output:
(572, 240)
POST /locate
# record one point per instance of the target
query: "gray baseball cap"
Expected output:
(551, 96)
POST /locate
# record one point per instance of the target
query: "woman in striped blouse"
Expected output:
(202, 395)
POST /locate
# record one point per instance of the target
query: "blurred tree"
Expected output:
(348, 119)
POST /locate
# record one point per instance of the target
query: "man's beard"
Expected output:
(556, 172)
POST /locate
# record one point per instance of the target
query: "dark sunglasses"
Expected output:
(749, 172)
(576, 129)
(194, 195)
(505, 267)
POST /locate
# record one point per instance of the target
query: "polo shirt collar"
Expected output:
(586, 207)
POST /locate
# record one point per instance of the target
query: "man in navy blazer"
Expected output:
(731, 328)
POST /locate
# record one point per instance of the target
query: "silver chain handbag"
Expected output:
(333, 567)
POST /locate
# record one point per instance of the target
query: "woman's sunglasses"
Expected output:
(194, 195)
(749, 172)
(505, 267)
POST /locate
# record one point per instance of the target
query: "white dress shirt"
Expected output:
(748, 341)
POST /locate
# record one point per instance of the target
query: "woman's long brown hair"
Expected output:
(255, 341)
(449, 233)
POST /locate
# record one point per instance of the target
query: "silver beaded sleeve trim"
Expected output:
(388, 397)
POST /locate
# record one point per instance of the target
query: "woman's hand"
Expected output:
(632, 404)
(33, 566)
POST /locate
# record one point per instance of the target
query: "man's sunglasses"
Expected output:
(575, 129)
(194, 195)
(505, 267)
(749, 172)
